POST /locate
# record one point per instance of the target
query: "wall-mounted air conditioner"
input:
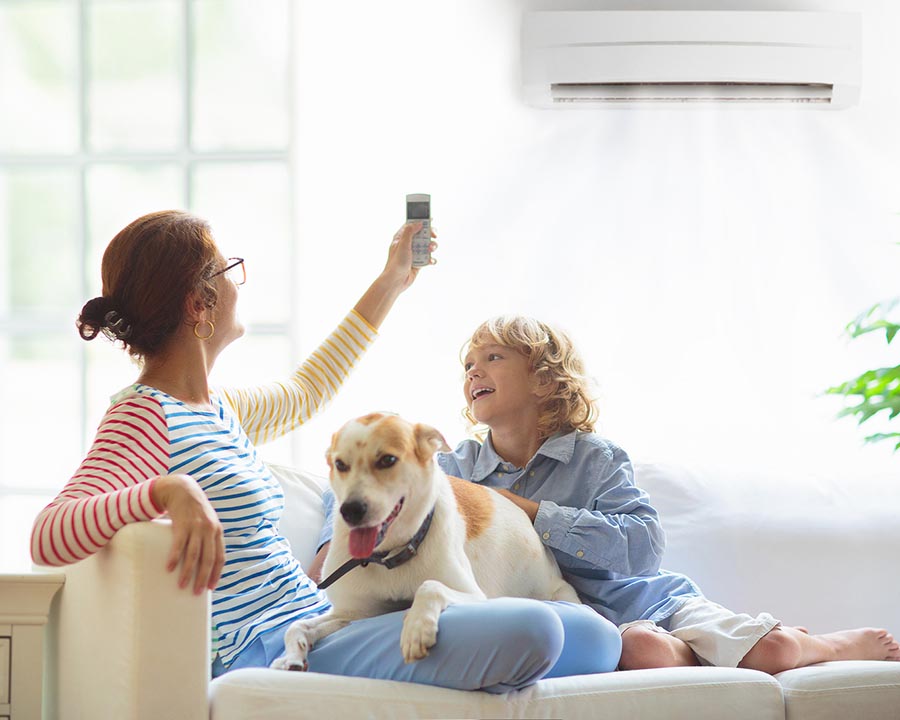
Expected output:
(635, 58)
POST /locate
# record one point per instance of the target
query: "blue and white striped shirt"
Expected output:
(147, 433)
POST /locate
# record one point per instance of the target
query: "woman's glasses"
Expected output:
(234, 270)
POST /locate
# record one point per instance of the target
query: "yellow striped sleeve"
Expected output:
(370, 332)
(270, 411)
(335, 347)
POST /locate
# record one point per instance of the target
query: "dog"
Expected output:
(409, 536)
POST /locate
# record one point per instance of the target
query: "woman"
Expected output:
(171, 445)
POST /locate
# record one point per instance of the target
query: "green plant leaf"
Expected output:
(877, 391)
(871, 383)
(876, 318)
(879, 437)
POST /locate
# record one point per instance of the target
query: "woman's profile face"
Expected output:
(224, 315)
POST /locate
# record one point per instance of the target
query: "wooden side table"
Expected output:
(24, 606)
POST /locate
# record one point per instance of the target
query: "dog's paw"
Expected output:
(297, 664)
(418, 635)
(296, 650)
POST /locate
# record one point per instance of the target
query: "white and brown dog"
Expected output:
(419, 537)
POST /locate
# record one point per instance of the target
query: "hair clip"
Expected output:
(116, 325)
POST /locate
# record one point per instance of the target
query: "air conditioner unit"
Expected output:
(639, 58)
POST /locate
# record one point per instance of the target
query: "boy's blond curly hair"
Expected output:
(552, 356)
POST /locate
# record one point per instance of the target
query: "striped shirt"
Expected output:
(147, 433)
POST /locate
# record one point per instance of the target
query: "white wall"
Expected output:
(705, 261)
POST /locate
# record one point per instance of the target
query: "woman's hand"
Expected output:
(399, 263)
(198, 543)
(398, 274)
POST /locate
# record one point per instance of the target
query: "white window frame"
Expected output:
(186, 158)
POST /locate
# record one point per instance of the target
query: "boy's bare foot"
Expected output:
(863, 644)
(785, 648)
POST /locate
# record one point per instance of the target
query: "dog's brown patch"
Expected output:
(393, 436)
(474, 505)
(370, 418)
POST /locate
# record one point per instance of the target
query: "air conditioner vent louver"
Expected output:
(694, 92)
(642, 58)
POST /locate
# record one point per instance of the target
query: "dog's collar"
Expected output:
(408, 552)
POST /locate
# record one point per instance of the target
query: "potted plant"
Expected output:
(874, 391)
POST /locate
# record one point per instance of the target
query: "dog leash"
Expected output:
(407, 553)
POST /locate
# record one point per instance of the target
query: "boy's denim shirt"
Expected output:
(601, 528)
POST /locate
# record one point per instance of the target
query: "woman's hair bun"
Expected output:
(99, 315)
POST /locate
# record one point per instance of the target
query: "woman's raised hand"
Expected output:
(398, 274)
(399, 262)
(198, 543)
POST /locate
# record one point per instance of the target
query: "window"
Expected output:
(110, 109)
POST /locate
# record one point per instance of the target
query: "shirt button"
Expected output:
(546, 536)
(500, 473)
(531, 474)
(580, 554)
(516, 486)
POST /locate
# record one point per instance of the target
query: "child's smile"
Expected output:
(480, 391)
(499, 384)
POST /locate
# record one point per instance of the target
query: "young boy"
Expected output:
(525, 382)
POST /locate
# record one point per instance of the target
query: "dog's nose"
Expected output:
(353, 511)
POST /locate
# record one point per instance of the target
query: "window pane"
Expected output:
(257, 228)
(40, 444)
(38, 77)
(135, 99)
(39, 231)
(118, 194)
(241, 91)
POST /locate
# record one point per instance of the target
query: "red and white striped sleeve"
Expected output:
(111, 488)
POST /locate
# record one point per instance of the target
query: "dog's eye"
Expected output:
(341, 466)
(386, 461)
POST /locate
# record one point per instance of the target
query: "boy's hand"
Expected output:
(529, 507)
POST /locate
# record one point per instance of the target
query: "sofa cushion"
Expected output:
(840, 690)
(674, 694)
(304, 514)
(810, 552)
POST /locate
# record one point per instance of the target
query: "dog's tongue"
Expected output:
(362, 541)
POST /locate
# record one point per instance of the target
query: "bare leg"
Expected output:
(785, 648)
(643, 648)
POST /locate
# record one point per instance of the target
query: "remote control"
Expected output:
(418, 209)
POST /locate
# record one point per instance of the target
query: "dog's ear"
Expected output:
(428, 442)
(329, 453)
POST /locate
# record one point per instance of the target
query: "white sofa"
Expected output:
(125, 643)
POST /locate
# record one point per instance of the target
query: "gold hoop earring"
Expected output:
(212, 330)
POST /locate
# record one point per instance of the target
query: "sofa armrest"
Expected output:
(124, 640)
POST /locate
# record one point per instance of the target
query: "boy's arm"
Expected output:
(327, 527)
(530, 507)
(618, 531)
